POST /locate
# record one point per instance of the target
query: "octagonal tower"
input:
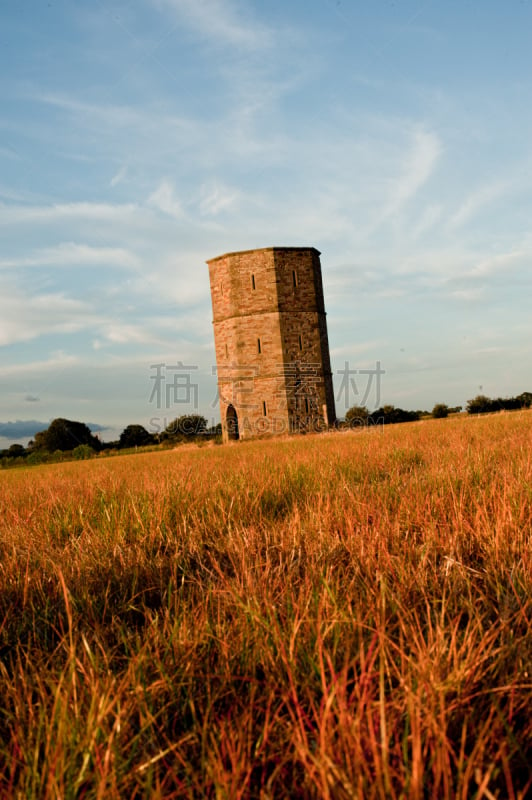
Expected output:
(272, 349)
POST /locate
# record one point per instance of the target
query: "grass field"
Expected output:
(336, 616)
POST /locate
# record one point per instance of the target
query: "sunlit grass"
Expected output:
(344, 615)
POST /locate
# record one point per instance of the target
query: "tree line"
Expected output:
(388, 414)
(69, 438)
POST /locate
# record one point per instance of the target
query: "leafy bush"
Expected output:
(35, 458)
(185, 426)
(357, 415)
(135, 436)
(389, 414)
(483, 405)
(65, 434)
(82, 452)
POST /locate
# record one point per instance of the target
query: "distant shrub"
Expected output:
(483, 405)
(388, 415)
(82, 452)
(34, 458)
(525, 398)
(135, 436)
(15, 450)
(357, 415)
(440, 411)
(185, 426)
(63, 434)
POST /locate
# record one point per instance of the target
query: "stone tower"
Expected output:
(270, 334)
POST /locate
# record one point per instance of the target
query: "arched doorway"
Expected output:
(231, 421)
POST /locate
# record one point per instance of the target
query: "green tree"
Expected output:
(186, 426)
(440, 411)
(15, 450)
(479, 405)
(135, 436)
(357, 415)
(388, 415)
(82, 452)
(36, 457)
(525, 398)
(65, 434)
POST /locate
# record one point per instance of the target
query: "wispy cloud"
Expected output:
(221, 22)
(502, 262)
(68, 254)
(145, 121)
(118, 177)
(473, 294)
(19, 214)
(216, 197)
(428, 219)
(420, 159)
(164, 199)
(477, 201)
(32, 369)
(24, 317)
(124, 333)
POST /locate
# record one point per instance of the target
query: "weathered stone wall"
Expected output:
(271, 341)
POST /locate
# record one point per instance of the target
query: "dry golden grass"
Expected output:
(335, 616)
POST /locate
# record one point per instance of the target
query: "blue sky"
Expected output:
(139, 139)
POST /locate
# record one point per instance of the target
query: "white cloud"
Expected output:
(118, 177)
(109, 115)
(426, 222)
(500, 263)
(57, 361)
(143, 134)
(124, 333)
(220, 22)
(420, 160)
(69, 254)
(477, 201)
(469, 295)
(164, 199)
(216, 198)
(13, 215)
(24, 317)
